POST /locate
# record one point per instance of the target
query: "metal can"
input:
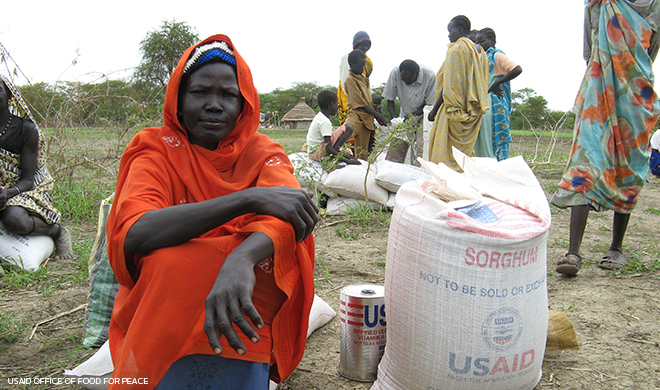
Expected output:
(362, 330)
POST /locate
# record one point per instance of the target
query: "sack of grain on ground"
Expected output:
(465, 281)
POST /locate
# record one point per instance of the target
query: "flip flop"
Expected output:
(613, 260)
(570, 264)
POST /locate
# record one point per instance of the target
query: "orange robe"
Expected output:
(159, 310)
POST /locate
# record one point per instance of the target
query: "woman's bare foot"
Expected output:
(63, 249)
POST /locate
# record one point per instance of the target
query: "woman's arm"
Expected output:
(230, 299)
(177, 224)
(436, 107)
(495, 88)
(28, 166)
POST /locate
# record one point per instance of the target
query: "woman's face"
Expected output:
(484, 41)
(454, 32)
(4, 95)
(363, 46)
(210, 103)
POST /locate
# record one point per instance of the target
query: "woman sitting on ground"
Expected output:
(25, 183)
(210, 239)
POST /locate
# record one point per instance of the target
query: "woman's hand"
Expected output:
(382, 120)
(230, 299)
(288, 204)
(432, 114)
(495, 88)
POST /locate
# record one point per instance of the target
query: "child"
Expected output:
(361, 112)
(321, 140)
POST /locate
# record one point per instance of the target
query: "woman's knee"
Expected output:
(18, 222)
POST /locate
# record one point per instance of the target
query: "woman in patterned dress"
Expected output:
(25, 183)
(616, 109)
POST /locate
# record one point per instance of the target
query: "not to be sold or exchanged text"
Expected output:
(77, 381)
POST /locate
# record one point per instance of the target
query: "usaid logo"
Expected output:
(502, 329)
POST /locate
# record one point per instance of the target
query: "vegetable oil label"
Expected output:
(362, 330)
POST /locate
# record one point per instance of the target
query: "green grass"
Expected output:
(79, 200)
(653, 210)
(11, 329)
(360, 219)
(16, 278)
(292, 140)
(531, 133)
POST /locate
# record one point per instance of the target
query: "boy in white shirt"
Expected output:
(321, 140)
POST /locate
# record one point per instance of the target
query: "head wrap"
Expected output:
(208, 52)
(16, 104)
(360, 37)
(248, 121)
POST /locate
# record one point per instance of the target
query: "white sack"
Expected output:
(27, 252)
(309, 173)
(349, 182)
(320, 314)
(465, 289)
(93, 373)
(391, 175)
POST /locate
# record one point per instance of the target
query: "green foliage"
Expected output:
(530, 111)
(161, 50)
(11, 329)
(75, 104)
(386, 139)
(361, 218)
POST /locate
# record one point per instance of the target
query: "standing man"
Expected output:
(415, 88)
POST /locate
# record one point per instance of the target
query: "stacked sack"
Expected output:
(465, 280)
(346, 186)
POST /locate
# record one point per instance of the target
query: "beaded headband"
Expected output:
(208, 52)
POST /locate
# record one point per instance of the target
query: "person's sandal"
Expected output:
(613, 260)
(570, 264)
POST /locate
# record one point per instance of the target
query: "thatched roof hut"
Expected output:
(300, 116)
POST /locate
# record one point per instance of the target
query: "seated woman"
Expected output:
(25, 183)
(210, 239)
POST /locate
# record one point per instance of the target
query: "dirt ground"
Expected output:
(616, 316)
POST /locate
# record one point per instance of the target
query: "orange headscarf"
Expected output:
(159, 310)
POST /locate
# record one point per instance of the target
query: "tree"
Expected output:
(531, 111)
(528, 109)
(161, 50)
